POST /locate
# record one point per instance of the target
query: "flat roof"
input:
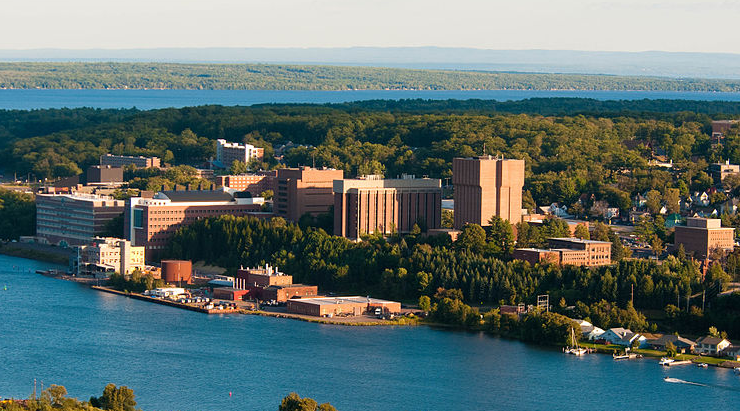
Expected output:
(579, 240)
(342, 300)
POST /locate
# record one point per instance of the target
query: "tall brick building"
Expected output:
(304, 190)
(485, 187)
(701, 236)
(256, 183)
(74, 219)
(374, 205)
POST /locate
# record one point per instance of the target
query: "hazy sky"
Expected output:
(626, 25)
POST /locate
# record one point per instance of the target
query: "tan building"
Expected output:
(123, 161)
(486, 187)
(537, 255)
(74, 219)
(702, 236)
(227, 153)
(150, 222)
(341, 306)
(107, 255)
(593, 252)
(256, 184)
(375, 205)
(304, 190)
(719, 171)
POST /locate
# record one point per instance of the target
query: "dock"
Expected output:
(165, 302)
(682, 362)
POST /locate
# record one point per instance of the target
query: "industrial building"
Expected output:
(303, 190)
(74, 219)
(485, 187)
(150, 221)
(123, 161)
(568, 251)
(341, 306)
(106, 255)
(104, 175)
(227, 153)
(269, 284)
(256, 184)
(375, 205)
(177, 271)
(702, 236)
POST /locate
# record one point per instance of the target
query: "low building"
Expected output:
(683, 345)
(711, 345)
(229, 293)
(256, 183)
(269, 284)
(568, 251)
(74, 219)
(341, 306)
(264, 276)
(537, 255)
(104, 175)
(702, 236)
(719, 171)
(107, 255)
(283, 293)
(123, 161)
(167, 292)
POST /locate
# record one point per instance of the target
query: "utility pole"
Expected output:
(34, 388)
(703, 295)
(632, 294)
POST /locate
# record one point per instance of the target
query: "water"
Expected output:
(64, 333)
(153, 99)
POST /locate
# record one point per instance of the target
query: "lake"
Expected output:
(64, 333)
(153, 99)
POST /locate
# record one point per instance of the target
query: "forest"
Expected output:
(109, 75)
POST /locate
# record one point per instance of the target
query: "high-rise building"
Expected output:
(304, 190)
(256, 183)
(122, 161)
(227, 153)
(375, 205)
(702, 236)
(485, 187)
(150, 222)
(74, 219)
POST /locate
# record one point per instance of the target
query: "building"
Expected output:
(150, 221)
(341, 306)
(486, 187)
(227, 153)
(104, 175)
(74, 219)
(269, 284)
(374, 205)
(719, 128)
(711, 345)
(568, 251)
(107, 255)
(702, 236)
(229, 293)
(264, 276)
(177, 271)
(537, 255)
(256, 184)
(683, 345)
(719, 171)
(123, 161)
(304, 190)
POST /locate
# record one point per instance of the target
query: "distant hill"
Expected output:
(60, 75)
(649, 63)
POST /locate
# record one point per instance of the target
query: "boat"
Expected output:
(625, 356)
(666, 361)
(575, 349)
(702, 365)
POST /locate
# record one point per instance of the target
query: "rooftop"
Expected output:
(579, 240)
(343, 300)
(180, 196)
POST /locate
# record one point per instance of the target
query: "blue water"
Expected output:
(64, 333)
(152, 99)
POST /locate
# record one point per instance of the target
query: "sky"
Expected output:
(627, 25)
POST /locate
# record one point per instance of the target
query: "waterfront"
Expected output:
(153, 99)
(65, 333)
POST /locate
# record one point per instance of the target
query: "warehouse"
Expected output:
(341, 306)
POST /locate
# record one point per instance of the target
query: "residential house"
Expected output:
(683, 345)
(729, 207)
(732, 351)
(673, 220)
(635, 216)
(639, 201)
(700, 198)
(621, 336)
(711, 345)
(594, 334)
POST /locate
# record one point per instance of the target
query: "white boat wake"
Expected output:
(680, 381)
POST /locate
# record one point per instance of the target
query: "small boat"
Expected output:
(666, 361)
(702, 365)
(575, 349)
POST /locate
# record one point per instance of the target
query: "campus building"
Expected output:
(702, 236)
(719, 171)
(485, 187)
(341, 306)
(227, 153)
(107, 255)
(375, 205)
(256, 183)
(74, 219)
(269, 284)
(123, 161)
(151, 221)
(304, 190)
(569, 251)
(104, 175)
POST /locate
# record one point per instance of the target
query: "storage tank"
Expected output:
(175, 271)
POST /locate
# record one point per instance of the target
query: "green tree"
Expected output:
(500, 237)
(670, 349)
(425, 303)
(672, 198)
(653, 201)
(472, 238)
(237, 167)
(293, 402)
(582, 232)
(115, 399)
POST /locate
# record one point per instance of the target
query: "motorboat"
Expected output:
(666, 361)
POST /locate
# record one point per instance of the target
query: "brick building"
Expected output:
(702, 236)
(256, 183)
(486, 187)
(568, 251)
(719, 171)
(269, 284)
(227, 153)
(304, 190)
(74, 219)
(338, 306)
(104, 175)
(123, 161)
(150, 222)
(374, 205)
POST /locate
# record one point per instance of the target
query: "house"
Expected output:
(729, 207)
(700, 198)
(619, 336)
(673, 220)
(683, 345)
(732, 351)
(594, 334)
(611, 212)
(639, 201)
(711, 345)
(630, 338)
